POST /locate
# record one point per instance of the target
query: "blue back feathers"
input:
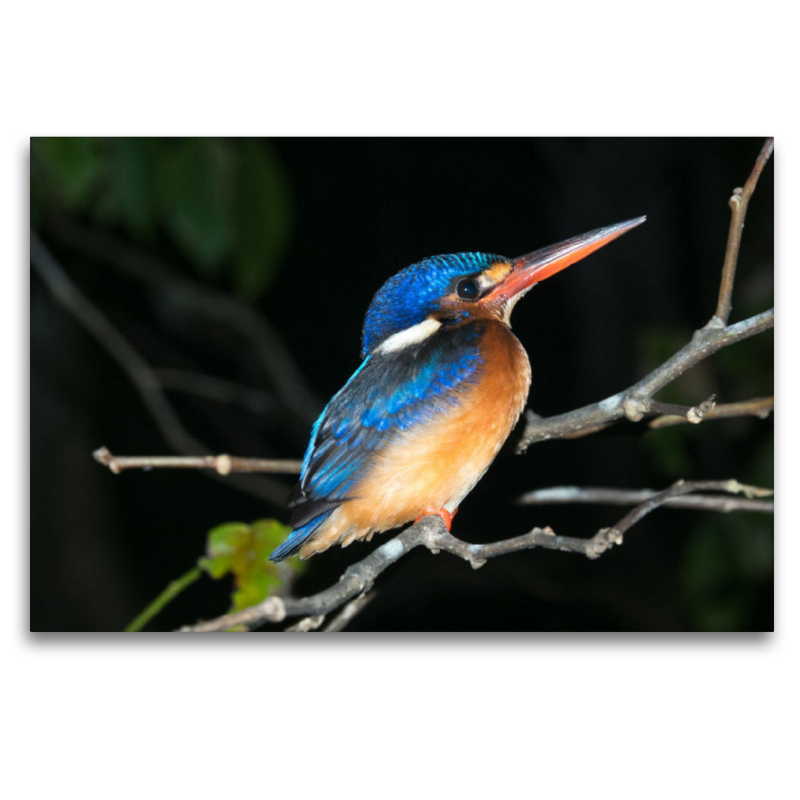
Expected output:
(413, 294)
(390, 393)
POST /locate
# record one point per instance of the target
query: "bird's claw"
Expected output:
(442, 513)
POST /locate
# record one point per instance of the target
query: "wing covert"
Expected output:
(389, 393)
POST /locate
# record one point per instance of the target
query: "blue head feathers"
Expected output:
(413, 294)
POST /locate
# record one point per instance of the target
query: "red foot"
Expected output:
(446, 516)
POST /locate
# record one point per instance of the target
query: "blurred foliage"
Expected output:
(243, 550)
(723, 567)
(223, 203)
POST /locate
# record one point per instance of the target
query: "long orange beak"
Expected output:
(535, 267)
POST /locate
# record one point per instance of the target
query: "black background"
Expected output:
(102, 546)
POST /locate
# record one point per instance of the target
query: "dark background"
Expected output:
(306, 230)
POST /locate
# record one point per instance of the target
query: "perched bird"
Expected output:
(441, 386)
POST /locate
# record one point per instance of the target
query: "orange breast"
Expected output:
(437, 464)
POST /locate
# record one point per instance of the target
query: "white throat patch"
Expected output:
(512, 301)
(413, 335)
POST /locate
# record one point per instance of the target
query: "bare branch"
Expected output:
(338, 623)
(431, 533)
(714, 336)
(636, 402)
(222, 464)
(709, 409)
(738, 203)
(691, 414)
(760, 407)
(306, 624)
(556, 495)
(135, 367)
(681, 488)
(285, 378)
(351, 592)
(217, 389)
(356, 580)
(348, 613)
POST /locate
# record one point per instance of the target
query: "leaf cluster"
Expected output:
(223, 203)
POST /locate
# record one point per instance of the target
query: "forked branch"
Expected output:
(738, 203)
(724, 503)
(351, 592)
(140, 373)
(636, 402)
(431, 533)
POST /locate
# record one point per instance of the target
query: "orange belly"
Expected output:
(437, 464)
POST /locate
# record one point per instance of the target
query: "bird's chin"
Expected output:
(508, 305)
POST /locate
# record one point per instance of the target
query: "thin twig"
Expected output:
(705, 342)
(222, 464)
(738, 203)
(356, 580)
(135, 367)
(217, 389)
(676, 490)
(431, 533)
(557, 495)
(691, 414)
(636, 402)
(338, 623)
(306, 624)
(760, 407)
(348, 613)
(286, 379)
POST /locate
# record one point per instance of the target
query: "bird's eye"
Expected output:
(467, 289)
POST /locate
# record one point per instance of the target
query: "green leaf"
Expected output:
(243, 551)
(73, 166)
(223, 543)
(195, 178)
(262, 217)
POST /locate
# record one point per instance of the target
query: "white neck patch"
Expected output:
(413, 335)
(512, 301)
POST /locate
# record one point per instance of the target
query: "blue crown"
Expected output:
(410, 296)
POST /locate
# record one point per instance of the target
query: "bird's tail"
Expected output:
(297, 538)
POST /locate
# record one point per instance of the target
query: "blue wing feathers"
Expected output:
(389, 393)
(297, 538)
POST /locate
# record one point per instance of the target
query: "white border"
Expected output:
(637, 716)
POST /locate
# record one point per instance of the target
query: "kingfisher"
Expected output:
(441, 386)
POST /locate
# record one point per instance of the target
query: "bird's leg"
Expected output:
(446, 516)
